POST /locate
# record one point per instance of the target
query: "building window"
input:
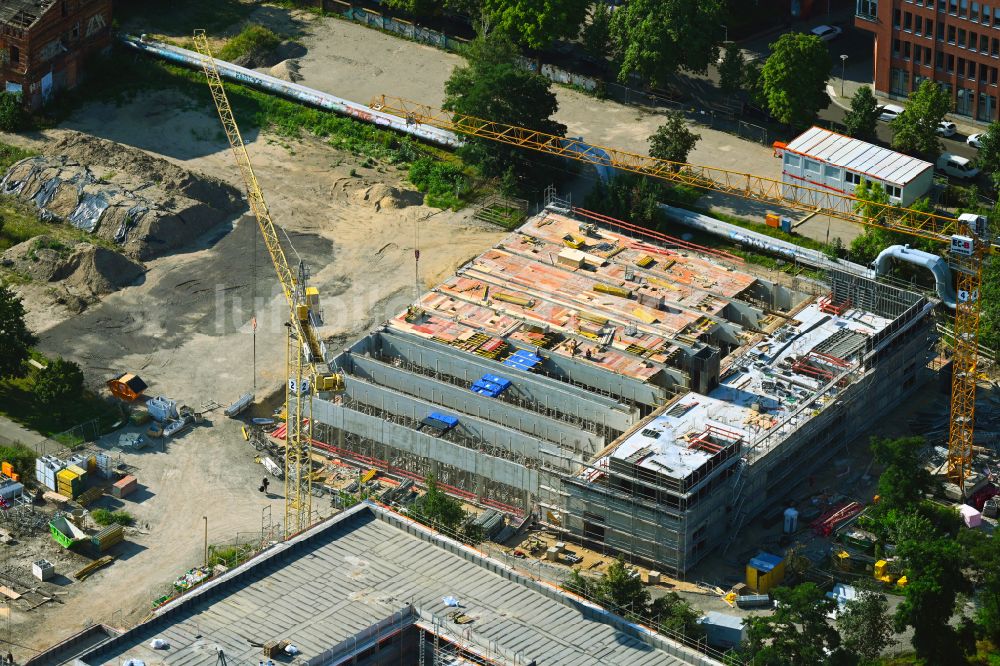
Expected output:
(964, 10)
(939, 60)
(984, 43)
(831, 172)
(972, 70)
(951, 34)
(961, 37)
(895, 18)
(986, 15)
(951, 63)
(907, 21)
(964, 101)
(852, 178)
(895, 47)
(810, 166)
(974, 14)
(982, 73)
(953, 7)
(987, 107)
(993, 76)
(995, 47)
(941, 5)
(899, 81)
(894, 191)
(940, 31)
(15, 54)
(929, 28)
(918, 25)
(927, 57)
(906, 50)
(793, 161)
(867, 9)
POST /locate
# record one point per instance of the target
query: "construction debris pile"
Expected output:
(144, 204)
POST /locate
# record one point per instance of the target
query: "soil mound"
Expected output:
(40, 258)
(145, 204)
(382, 196)
(286, 70)
(85, 270)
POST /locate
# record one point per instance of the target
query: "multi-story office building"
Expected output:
(954, 42)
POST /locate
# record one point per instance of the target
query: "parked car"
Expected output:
(889, 112)
(957, 166)
(827, 32)
(974, 139)
(946, 128)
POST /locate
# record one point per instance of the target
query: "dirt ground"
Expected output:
(184, 326)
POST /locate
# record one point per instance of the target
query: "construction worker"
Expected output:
(263, 485)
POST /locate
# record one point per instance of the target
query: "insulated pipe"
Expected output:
(759, 241)
(295, 91)
(932, 262)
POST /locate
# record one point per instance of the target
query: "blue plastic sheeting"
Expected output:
(765, 562)
(490, 385)
(439, 421)
(523, 360)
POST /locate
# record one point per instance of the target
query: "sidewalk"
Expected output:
(11, 433)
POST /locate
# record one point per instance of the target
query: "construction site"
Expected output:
(590, 390)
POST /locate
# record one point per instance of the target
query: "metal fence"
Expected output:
(395, 25)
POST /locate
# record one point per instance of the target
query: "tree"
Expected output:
(793, 80)
(494, 85)
(865, 624)
(59, 383)
(432, 7)
(984, 567)
(673, 141)
(629, 197)
(597, 33)
(576, 583)
(903, 481)
(437, 509)
(797, 632)
(15, 338)
(620, 590)
(989, 152)
(656, 38)
(673, 615)
(934, 575)
(731, 69)
(12, 116)
(862, 119)
(536, 23)
(915, 130)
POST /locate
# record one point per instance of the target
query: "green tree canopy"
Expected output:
(903, 481)
(493, 85)
(731, 68)
(621, 590)
(865, 624)
(673, 141)
(432, 7)
(12, 115)
(59, 383)
(656, 38)
(671, 614)
(984, 567)
(862, 119)
(536, 23)
(437, 509)
(797, 632)
(935, 578)
(15, 338)
(989, 152)
(915, 130)
(793, 80)
(597, 31)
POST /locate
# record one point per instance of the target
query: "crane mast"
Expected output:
(305, 352)
(967, 237)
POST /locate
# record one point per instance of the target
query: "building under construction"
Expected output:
(642, 395)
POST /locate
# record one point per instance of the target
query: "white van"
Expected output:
(956, 166)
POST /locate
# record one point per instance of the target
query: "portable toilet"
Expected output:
(765, 572)
(791, 520)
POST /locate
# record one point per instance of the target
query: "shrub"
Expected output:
(253, 39)
(12, 115)
(21, 457)
(106, 517)
(442, 182)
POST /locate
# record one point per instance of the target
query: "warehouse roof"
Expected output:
(23, 13)
(367, 564)
(858, 156)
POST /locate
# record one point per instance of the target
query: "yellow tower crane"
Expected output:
(967, 237)
(305, 366)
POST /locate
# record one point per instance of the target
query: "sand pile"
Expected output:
(286, 70)
(145, 204)
(86, 271)
(381, 196)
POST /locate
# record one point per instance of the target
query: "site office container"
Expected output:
(833, 163)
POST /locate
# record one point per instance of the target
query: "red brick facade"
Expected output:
(954, 42)
(44, 43)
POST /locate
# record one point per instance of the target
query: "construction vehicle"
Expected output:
(968, 239)
(306, 370)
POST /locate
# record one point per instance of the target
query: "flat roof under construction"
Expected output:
(368, 565)
(614, 301)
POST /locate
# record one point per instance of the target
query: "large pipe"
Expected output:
(295, 91)
(932, 262)
(759, 241)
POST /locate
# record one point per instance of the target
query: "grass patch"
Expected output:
(105, 517)
(20, 222)
(11, 154)
(252, 39)
(182, 17)
(21, 457)
(229, 556)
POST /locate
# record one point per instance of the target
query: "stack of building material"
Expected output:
(68, 483)
(970, 516)
(46, 469)
(108, 537)
(491, 522)
(124, 486)
(105, 465)
(162, 409)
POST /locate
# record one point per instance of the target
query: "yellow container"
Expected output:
(66, 475)
(79, 471)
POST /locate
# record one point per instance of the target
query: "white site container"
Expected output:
(43, 570)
